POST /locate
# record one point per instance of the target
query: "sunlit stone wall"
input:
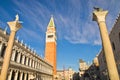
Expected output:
(25, 64)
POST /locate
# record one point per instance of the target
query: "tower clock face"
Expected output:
(50, 36)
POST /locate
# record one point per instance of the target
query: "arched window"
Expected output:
(28, 61)
(3, 50)
(13, 75)
(21, 58)
(25, 60)
(23, 76)
(18, 78)
(31, 63)
(16, 55)
(27, 77)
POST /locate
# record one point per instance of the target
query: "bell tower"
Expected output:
(50, 48)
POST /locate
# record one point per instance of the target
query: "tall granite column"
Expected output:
(14, 27)
(99, 16)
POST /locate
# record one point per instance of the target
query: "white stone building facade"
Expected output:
(25, 64)
(66, 74)
(83, 66)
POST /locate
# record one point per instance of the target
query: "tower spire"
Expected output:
(50, 48)
(51, 23)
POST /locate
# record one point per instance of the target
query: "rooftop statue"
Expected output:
(17, 17)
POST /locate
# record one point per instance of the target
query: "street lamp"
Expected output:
(14, 27)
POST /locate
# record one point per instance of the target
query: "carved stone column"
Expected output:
(25, 76)
(10, 75)
(21, 75)
(23, 59)
(14, 27)
(19, 56)
(30, 62)
(26, 60)
(33, 63)
(13, 55)
(16, 75)
(99, 15)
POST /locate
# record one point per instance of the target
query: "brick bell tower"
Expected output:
(50, 48)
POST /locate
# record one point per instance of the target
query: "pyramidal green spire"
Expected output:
(51, 23)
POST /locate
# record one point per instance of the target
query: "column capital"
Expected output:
(99, 15)
(15, 25)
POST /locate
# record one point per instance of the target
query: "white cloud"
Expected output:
(76, 33)
(80, 31)
(35, 13)
(75, 25)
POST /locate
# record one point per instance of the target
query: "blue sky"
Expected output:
(77, 35)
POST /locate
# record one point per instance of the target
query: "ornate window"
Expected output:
(21, 58)
(25, 60)
(16, 55)
(18, 78)
(28, 61)
(13, 75)
(23, 76)
(3, 50)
